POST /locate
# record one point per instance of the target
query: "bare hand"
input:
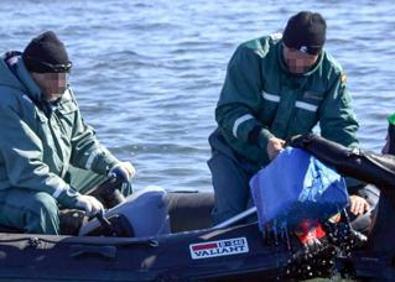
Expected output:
(358, 205)
(274, 147)
(89, 204)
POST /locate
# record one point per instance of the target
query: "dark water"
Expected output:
(148, 73)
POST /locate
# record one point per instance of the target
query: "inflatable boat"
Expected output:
(175, 241)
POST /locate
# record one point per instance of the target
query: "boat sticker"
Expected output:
(220, 248)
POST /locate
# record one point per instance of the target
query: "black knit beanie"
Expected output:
(306, 32)
(46, 53)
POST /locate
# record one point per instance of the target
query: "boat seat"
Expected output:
(190, 210)
(143, 214)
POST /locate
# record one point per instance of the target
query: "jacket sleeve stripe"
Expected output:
(239, 121)
(306, 106)
(27, 99)
(91, 158)
(59, 190)
(270, 97)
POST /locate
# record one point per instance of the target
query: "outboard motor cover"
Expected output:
(146, 211)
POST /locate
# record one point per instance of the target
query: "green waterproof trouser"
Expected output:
(230, 178)
(30, 211)
(37, 212)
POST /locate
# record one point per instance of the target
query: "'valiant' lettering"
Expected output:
(219, 248)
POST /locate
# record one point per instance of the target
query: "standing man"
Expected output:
(275, 87)
(42, 135)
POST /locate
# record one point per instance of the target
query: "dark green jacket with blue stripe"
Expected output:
(259, 92)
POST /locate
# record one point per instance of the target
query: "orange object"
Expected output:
(309, 230)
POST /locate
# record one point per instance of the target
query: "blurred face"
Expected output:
(297, 61)
(52, 85)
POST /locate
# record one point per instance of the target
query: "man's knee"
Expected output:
(224, 170)
(228, 177)
(230, 185)
(43, 214)
(44, 202)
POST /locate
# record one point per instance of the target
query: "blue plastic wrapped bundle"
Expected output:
(295, 186)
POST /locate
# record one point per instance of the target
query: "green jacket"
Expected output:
(37, 146)
(259, 92)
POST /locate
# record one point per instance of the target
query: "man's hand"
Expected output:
(274, 146)
(358, 205)
(70, 198)
(89, 204)
(124, 171)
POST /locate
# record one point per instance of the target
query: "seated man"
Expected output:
(276, 87)
(42, 135)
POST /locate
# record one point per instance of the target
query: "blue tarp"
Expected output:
(296, 186)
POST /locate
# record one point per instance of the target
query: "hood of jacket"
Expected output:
(13, 74)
